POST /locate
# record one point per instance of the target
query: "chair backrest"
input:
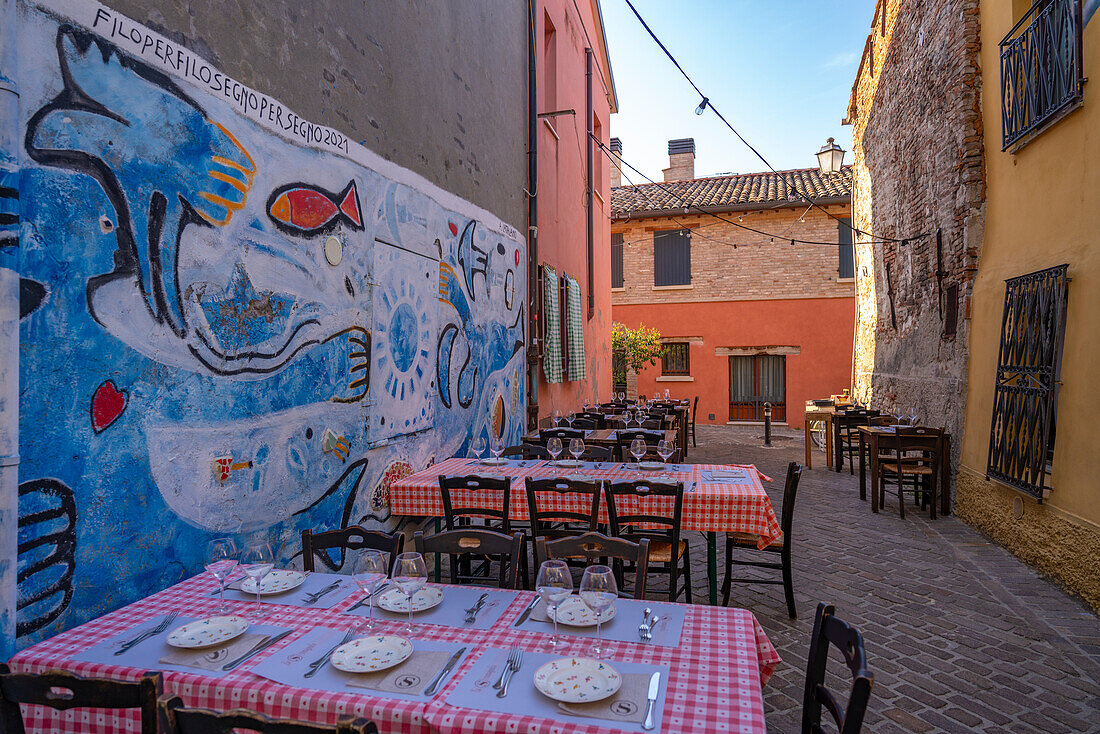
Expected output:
(527, 451)
(597, 546)
(828, 630)
(488, 505)
(597, 453)
(790, 491)
(585, 424)
(629, 507)
(353, 537)
(475, 542)
(545, 434)
(179, 719)
(59, 690)
(593, 415)
(626, 436)
(918, 444)
(881, 420)
(652, 455)
(652, 424)
(586, 494)
(694, 409)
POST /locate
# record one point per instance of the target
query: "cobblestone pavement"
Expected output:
(960, 635)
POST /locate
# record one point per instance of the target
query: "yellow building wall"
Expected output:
(1042, 210)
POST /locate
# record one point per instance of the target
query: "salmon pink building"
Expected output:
(746, 318)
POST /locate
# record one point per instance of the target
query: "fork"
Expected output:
(643, 628)
(316, 596)
(512, 652)
(471, 613)
(149, 633)
(319, 662)
(514, 667)
(649, 627)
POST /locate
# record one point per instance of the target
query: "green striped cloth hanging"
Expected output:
(574, 329)
(551, 329)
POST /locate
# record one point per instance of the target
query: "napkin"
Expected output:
(411, 676)
(214, 657)
(628, 704)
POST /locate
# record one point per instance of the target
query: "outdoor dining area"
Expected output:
(468, 621)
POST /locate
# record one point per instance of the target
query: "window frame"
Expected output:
(617, 256)
(845, 244)
(665, 371)
(685, 234)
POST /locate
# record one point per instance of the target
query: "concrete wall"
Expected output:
(235, 319)
(1040, 214)
(918, 170)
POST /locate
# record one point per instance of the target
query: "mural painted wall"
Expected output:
(232, 319)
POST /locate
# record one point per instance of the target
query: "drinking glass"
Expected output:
(368, 570)
(665, 450)
(637, 449)
(914, 419)
(553, 446)
(576, 447)
(554, 584)
(569, 419)
(898, 414)
(627, 418)
(496, 446)
(557, 417)
(477, 447)
(410, 573)
(666, 393)
(258, 560)
(587, 405)
(598, 592)
(221, 560)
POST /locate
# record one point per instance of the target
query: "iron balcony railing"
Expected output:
(1040, 69)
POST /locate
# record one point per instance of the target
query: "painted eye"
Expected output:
(106, 225)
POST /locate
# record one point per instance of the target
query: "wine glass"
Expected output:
(496, 446)
(898, 414)
(598, 592)
(576, 447)
(914, 419)
(587, 405)
(627, 415)
(569, 419)
(637, 449)
(477, 447)
(258, 560)
(557, 417)
(553, 446)
(368, 570)
(667, 394)
(410, 573)
(665, 450)
(221, 560)
(554, 584)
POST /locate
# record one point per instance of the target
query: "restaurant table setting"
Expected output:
(664, 622)
(293, 588)
(456, 606)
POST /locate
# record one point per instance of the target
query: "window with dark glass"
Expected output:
(674, 361)
(846, 267)
(672, 257)
(617, 260)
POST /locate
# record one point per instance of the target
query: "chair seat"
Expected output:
(748, 539)
(660, 551)
(907, 468)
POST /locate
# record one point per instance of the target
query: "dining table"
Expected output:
(869, 437)
(717, 497)
(603, 436)
(711, 664)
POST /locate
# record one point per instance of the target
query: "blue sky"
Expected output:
(780, 71)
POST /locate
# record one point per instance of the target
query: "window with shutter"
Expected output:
(846, 267)
(674, 361)
(617, 260)
(672, 257)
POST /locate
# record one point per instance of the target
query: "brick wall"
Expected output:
(918, 168)
(758, 269)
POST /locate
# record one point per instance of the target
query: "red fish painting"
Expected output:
(304, 209)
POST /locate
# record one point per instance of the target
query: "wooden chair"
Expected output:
(584, 424)
(745, 542)
(848, 424)
(527, 451)
(665, 544)
(179, 719)
(691, 424)
(495, 510)
(652, 455)
(467, 542)
(881, 420)
(911, 454)
(349, 538)
(593, 415)
(828, 630)
(597, 546)
(553, 524)
(626, 436)
(560, 432)
(62, 691)
(597, 453)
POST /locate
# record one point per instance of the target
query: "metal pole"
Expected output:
(534, 297)
(767, 424)
(590, 226)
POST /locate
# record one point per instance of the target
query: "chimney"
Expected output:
(681, 160)
(616, 162)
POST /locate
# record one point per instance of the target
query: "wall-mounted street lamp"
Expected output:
(830, 158)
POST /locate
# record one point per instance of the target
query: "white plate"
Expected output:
(494, 462)
(275, 582)
(395, 600)
(573, 463)
(368, 654)
(576, 613)
(207, 632)
(577, 680)
(651, 465)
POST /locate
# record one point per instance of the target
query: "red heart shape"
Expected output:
(454, 228)
(108, 402)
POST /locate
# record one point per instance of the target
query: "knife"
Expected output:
(316, 596)
(259, 647)
(368, 597)
(654, 687)
(446, 669)
(527, 612)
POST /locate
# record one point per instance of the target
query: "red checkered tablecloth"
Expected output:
(715, 682)
(708, 506)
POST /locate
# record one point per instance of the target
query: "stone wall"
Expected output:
(918, 170)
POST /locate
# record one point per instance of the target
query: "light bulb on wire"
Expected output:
(702, 106)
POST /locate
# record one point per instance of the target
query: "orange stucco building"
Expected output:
(746, 318)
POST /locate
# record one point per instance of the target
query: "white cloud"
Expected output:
(844, 59)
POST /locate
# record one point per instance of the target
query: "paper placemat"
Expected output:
(155, 652)
(624, 626)
(726, 476)
(297, 597)
(475, 691)
(214, 657)
(291, 664)
(627, 705)
(451, 612)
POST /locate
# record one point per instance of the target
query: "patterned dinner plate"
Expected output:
(493, 462)
(275, 582)
(652, 465)
(368, 654)
(395, 600)
(569, 463)
(577, 680)
(576, 613)
(207, 632)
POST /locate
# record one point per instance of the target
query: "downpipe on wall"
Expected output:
(534, 316)
(9, 329)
